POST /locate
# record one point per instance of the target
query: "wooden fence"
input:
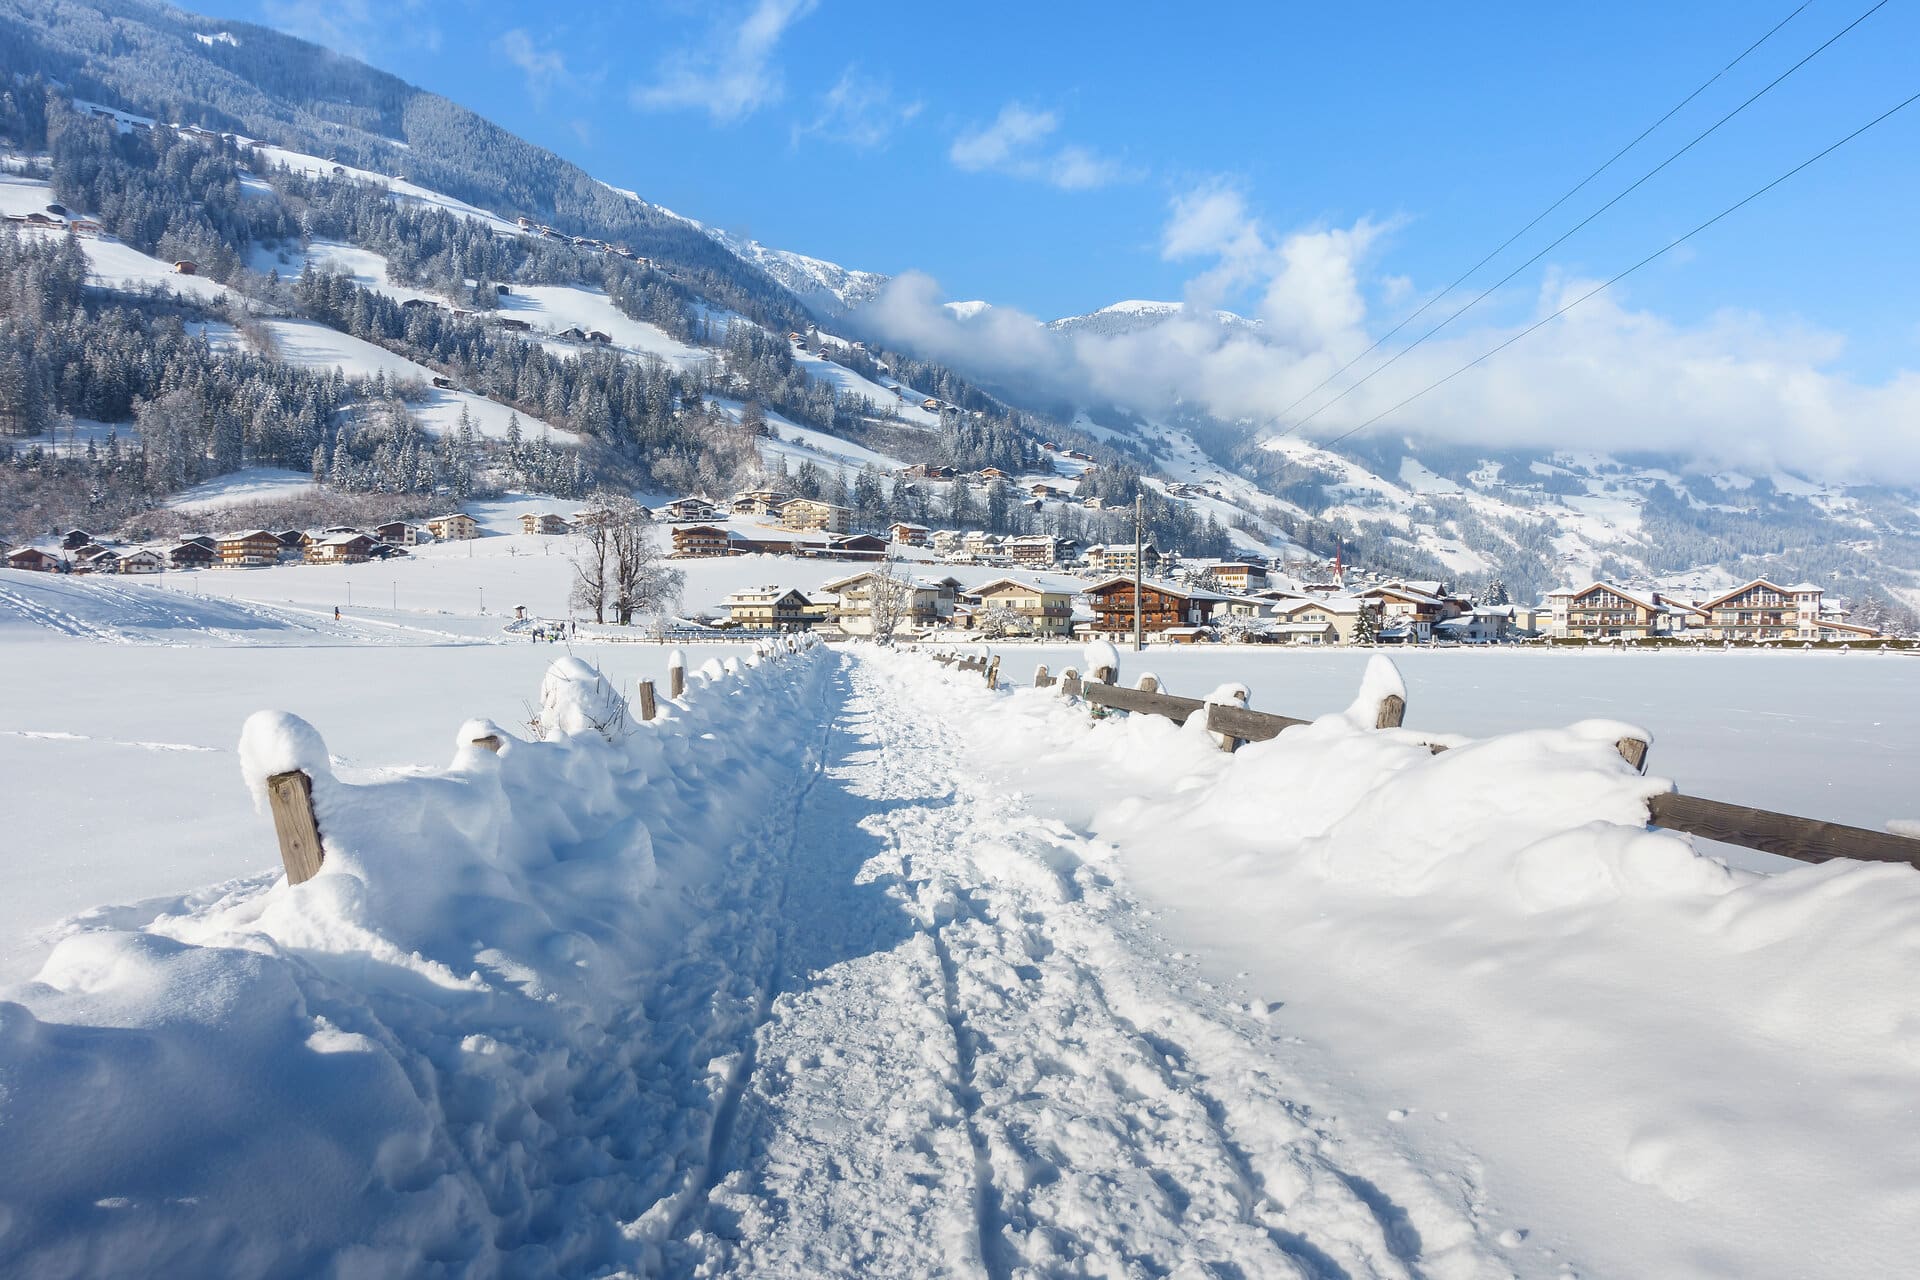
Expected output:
(290, 794)
(1785, 834)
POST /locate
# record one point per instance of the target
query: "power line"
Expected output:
(1601, 288)
(1390, 361)
(1568, 195)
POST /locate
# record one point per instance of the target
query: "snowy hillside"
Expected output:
(825, 287)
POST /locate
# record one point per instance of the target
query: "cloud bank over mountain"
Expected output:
(1737, 389)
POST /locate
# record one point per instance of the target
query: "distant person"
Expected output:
(336, 613)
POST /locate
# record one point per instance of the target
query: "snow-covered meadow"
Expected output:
(1049, 996)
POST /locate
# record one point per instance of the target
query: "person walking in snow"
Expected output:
(336, 613)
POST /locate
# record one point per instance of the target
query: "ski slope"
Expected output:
(312, 345)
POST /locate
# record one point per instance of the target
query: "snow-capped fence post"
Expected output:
(1634, 752)
(993, 673)
(488, 742)
(1040, 677)
(290, 797)
(1393, 709)
(1070, 683)
(676, 674)
(1147, 683)
(648, 708)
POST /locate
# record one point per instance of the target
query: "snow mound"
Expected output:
(430, 1056)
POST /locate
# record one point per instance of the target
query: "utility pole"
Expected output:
(1139, 567)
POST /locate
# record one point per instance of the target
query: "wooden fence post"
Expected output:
(490, 742)
(1105, 675)
(1634, 752)
(1148, 684)
(290, 797)
(647, 706)
(1040, 677)
(1393, 709)
(1070, 683)
(676, 682)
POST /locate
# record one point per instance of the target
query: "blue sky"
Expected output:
(867, 134)
(1324, 167)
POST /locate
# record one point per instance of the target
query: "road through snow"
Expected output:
(978, 1060)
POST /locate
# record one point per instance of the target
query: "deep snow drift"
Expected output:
(1664, 1066)
(479, 1038)
(849, 966)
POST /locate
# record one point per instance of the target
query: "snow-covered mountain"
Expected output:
(1137, 316)
(824, 287)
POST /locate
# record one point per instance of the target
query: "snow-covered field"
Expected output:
(851, 967)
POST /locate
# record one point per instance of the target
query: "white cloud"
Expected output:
(859, 111)
(543, 68)
(729, 75)
(1018, 143)
(1737, 390)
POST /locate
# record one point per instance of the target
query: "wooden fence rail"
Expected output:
(1765, 830)
(290, 795)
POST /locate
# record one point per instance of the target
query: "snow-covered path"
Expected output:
(980, 1062)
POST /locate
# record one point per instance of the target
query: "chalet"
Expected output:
(37, 219)
(1042, 611)
(980, 544)
(1763, 610)
(542, 522)
(342, 548)
(859, 546)
(1410, 611)
(854, 614)
(758, 502)
(144, 560)
(186, 268)
(1045, 490)
(946, 542)
(1604, 611)
(84, 227)
(94, 558)
(991, 473)
(1233, 575)
(908, 535)
(518, 326)
(1163, 606)
(1329, 620)
(1034, 550)
(414, 304)
(456, 526)
(572, 335)
(694, 507)
(34, 560)
(1118, 557)
(771, 608)
(294, 544)
(74, 539)
(930, 405)
(190, 555)
(700, 540)
(524, 223)
(604, 339)
(250, 548)
(400, 533)
(810, 513)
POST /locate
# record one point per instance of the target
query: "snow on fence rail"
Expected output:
(1383, 694)
(284, 755)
